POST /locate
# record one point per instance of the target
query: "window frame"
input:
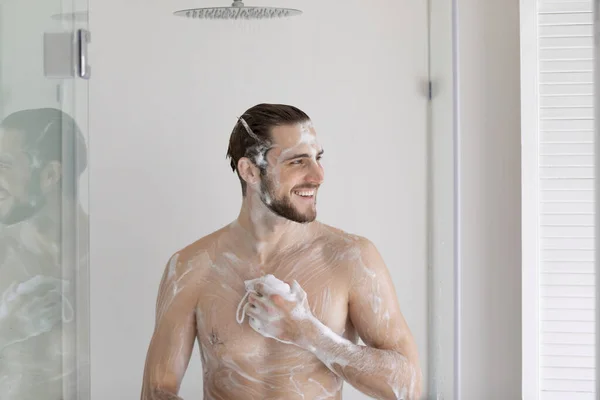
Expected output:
(530, 220)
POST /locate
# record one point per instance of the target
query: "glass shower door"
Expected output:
(44, 312)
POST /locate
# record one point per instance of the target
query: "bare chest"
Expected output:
(225, 342)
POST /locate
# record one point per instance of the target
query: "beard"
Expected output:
(283, 205)
(25, 209)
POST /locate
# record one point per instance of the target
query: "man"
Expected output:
(38, 214)
(300, 348)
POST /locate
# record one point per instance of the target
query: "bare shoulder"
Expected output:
(195, 258)
(355, 250)
(344, 241)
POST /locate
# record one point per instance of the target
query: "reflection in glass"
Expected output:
(38, 210)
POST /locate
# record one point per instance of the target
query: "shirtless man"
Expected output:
(284, 349)
(37, 280)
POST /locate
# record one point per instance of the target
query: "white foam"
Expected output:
(231, 257)
(260, 160)
(306, 136)
(32, 308)
(172, 266)
(271, 286)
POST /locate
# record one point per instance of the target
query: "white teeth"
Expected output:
(305, 194)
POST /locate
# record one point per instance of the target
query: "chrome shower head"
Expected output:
(78, 16)
(238, 11)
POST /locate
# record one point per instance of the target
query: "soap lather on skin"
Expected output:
(270, 285)
(277, 231)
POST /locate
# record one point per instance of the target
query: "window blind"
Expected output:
(566, 195)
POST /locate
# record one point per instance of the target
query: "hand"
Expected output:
(286, 320)
(31, 308)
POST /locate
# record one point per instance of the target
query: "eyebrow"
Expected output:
(304, 155)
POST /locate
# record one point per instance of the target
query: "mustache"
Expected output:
(306, 187)
(3, 186)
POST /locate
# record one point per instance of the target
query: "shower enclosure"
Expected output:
(44, 326)
(44, 206)
(44, 246)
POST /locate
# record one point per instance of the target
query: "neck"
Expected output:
(267, 232)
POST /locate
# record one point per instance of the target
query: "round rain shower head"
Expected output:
(238, 11)
(78, 16)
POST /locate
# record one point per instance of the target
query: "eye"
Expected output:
(297, 162)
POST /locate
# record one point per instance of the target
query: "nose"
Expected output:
(316, 173)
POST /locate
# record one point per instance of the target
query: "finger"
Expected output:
(259, 288)
(255, 313)
(256, 302)
(277, 300)
(263, 303)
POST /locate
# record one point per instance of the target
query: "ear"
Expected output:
(248, 171)
(50, 175)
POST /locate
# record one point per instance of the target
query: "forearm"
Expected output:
(383, 374)
(11, 334)
(5, 339)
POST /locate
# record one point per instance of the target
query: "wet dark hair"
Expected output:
(260, 121)
(47, 133)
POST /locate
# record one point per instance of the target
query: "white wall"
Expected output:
(490, 177)
(164, 97)
(22, 81)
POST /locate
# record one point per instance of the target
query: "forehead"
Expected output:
(294, 137)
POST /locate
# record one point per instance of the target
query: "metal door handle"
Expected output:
(84, 37)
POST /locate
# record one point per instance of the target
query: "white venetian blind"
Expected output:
(566, 195)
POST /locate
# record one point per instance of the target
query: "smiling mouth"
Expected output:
(305, 194)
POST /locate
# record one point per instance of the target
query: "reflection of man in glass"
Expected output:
(38, 210)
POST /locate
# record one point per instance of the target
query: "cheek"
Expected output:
(277, 179)
(16, 184)
(5, 206)
(21, 176)
(288, 184)
(21, 194)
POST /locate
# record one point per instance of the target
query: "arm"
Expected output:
(388, 367)
(174, 333)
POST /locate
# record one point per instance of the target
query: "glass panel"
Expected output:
(443, 343)
(44, 346)
(596, 7)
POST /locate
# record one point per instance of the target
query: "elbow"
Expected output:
(165, 388)
(409, 386)
(159, 394)
(415, 384)
(160, 383)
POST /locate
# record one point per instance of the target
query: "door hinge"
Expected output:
(430, 90)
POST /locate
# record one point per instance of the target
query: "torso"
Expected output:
(34, 363)
(239, 363)
(31, 357)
